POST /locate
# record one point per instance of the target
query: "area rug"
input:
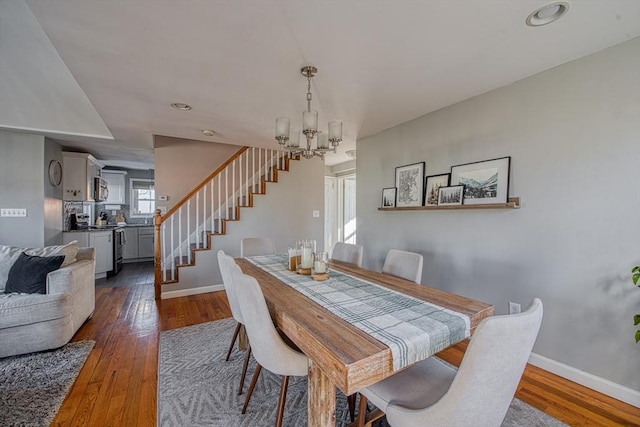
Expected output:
(197, 387)
(33, 386)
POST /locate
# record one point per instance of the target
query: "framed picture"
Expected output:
(410, 185)
(450, 196)
(389, 197)
(431, 186)
(484, 182)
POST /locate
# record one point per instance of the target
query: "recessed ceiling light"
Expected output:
(209, 132)
(351, 154)
(548, 13)
(181, 106)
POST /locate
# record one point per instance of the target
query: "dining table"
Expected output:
(346, 351)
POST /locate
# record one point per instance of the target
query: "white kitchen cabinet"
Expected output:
(116, 184)
(145, 242)
(102, 241)
(78, 172)
(130, 248)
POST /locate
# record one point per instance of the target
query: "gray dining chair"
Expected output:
(432, 393)
(347, 252)
(269, 349)
(403, 264)
(227, 267)
(251, 246)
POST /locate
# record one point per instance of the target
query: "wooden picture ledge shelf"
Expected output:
(512, 203)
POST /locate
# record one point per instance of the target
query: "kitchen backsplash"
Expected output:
(95, 210)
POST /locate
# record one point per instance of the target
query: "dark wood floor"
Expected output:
(118, 384)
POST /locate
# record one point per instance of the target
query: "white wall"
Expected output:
(573, 134)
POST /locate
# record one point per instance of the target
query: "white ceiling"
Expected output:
(381, 63)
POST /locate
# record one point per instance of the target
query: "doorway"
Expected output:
(340, 210)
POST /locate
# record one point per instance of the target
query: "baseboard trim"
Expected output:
(617, 391)
(191, 291)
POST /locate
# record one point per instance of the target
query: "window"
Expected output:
(143, 197)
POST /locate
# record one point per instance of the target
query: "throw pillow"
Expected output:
(29, 273)
(8, 255)
(70, 251)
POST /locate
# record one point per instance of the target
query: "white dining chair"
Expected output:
(227, 267)
(251, 246)
(403, 264)
(269, 349)
(479, 393)
(348, 252)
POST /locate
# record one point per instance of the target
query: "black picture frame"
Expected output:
(452, 195)
(485, 182)
(432, 184)
(389, 197)
(410, 185)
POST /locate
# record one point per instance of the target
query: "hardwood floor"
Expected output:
(118, 384)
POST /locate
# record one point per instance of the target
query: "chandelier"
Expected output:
(289, 139)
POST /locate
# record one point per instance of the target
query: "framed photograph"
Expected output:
(432, 184)
(410, 185)
(484, 182)
(450, 196)
(389, 197)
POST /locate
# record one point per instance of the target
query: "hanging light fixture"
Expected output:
(289, 139)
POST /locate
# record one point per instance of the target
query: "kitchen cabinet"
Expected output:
(102, 241)
(145, 242)
(130, 248)
(78, 172)
(117, 188)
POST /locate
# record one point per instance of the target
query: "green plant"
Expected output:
(635, 275)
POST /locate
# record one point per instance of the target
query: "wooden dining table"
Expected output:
(341, 355)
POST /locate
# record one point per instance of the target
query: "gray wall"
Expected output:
(24, 183)
(52, 197)
(573, 134)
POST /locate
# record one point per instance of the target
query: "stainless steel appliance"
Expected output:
(118, 242)
(100, 189)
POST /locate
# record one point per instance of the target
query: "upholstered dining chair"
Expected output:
(269, 349)
(403, 264)
(250, 246)
(347, 252)
(228, 266)
(479, 394)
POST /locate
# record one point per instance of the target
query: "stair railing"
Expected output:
(188, 225)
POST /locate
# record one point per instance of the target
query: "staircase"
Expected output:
(191, 225)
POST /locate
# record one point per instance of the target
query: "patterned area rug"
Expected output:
(197, 387)
(33, 386)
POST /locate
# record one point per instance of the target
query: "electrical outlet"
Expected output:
(316, 214)
(514, 308)
(13, 213)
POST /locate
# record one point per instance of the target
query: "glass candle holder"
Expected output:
(320, 263)
(306, 248)
(294, 256)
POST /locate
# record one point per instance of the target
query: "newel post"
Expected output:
(157, 255)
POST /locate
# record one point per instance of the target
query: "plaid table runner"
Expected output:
(413, 329)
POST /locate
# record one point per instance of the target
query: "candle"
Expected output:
(319, 267)
(306, 260)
